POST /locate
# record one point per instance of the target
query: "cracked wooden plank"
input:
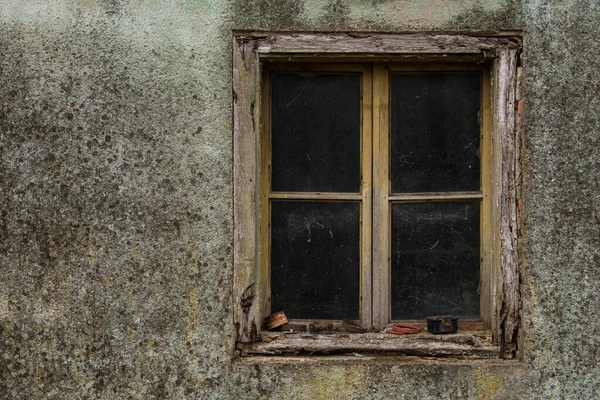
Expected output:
(465, 345)
(371, 43)
(245, 95)
(506, 197)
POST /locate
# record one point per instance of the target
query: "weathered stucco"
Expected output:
(116, 201)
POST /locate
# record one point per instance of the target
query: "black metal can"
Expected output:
(443, 324)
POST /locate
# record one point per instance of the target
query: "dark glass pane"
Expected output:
(435, 131)
(315, 259)
(435, 260)
(315, 130)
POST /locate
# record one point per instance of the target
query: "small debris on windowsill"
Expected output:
(275, 320)
(294, 328)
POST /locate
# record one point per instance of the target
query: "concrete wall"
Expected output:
(116, 201)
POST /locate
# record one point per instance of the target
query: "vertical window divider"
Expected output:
(381, 219)
(487, 240)
(366, 296)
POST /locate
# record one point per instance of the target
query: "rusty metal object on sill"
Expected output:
(275, 320)
(293, 327)
(320, 326)
(403, 329)
(353, 326)
(443, 324)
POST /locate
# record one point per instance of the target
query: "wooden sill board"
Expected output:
(465, 345)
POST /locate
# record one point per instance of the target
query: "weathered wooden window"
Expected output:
(316, 190)
(373, 186)
(432, 200)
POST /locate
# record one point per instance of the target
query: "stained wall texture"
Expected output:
(116, 224)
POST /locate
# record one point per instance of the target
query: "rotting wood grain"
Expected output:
(508, 306)
(519, 182)
(246, 308)
(464, 345)
(344, 43)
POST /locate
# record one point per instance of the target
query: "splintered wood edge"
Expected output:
(426, 345)
(372, 360)
(245, 112)
(372, 43)
(507, 311)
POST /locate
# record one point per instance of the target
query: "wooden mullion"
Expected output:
(486, 300)
(381, 218)
(366, 218)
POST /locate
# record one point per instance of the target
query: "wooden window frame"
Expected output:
(500, 274)
(383, 202)
(364, 196)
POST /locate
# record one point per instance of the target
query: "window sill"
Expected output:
(462, 345)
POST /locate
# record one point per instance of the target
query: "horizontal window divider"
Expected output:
(315, 196)
(436, 196)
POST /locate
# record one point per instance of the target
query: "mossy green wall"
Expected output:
(116, 201)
